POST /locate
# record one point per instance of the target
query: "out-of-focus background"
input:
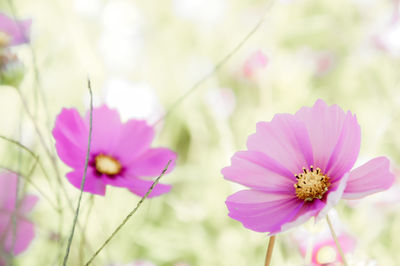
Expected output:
(141, 56)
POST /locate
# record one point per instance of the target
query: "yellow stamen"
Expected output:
(107, 165)
(311, 184)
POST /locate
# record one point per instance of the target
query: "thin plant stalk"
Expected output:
(83, 236)
(17, 191)
(336, 241)
(83, 178)
(129, 215)
(270, 248)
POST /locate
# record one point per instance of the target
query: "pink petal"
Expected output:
(24, 233)
(285, 139)
(152, 162)
(24, 228)
(28, 203)
(257, 170)
(135, 137)
(335, 137)
(307, 211)
(71, 135)
(346, 151)
(369, 178)
(17, 30)
(262, 211)
(333, 196)
(93, 183)
(140, 188)
(107, 127)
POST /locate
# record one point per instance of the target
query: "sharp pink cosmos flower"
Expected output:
(14, 32)
(120, 153)
(299, 166)
(24, 230)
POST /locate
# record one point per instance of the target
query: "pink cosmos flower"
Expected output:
(324, 62)
(17, 31)
(324, 251)
(299, 166)
(120, 153)
(257, 60)
(24, 232)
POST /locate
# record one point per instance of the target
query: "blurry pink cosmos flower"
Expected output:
(24, 230)
(324, 62)
(14, 32)
(120, 153)
(324, 251)
(11, 33)
(299, 166)
(257, 60)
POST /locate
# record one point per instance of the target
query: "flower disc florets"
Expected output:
(107, 165)
(311, 184)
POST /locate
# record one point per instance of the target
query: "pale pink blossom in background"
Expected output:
(324, 250)
(324, 62)
(25, 231)
(254, 63)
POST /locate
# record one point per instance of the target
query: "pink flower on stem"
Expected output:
(120, 153)
(256, 61)
(299, 166)
(324, 251)
(24, 228)
(16, 31)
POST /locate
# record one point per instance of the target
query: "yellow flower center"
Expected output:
(107, 165)
(326, 255)
(311, 184)
(4, 39)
